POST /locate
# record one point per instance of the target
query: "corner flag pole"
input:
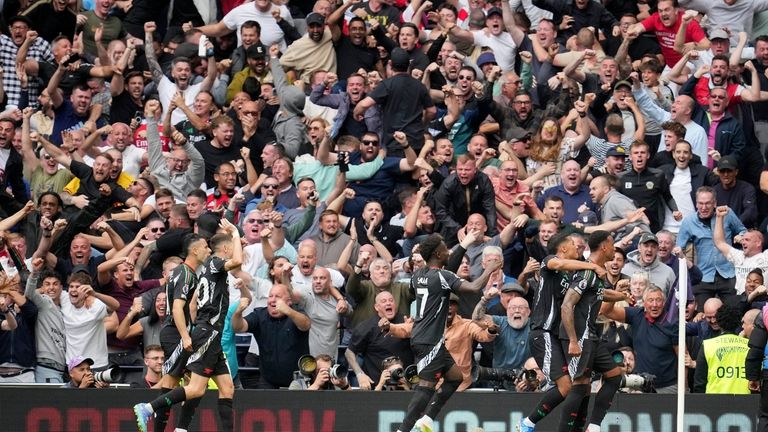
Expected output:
(682, 301)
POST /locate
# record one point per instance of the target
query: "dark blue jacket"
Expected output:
(18, 346)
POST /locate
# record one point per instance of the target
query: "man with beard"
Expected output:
(373, 345)
(282, 333)
(96, 193)
(352, 50)
(259, 11)
(225, 177)
(716, 75)
(127, 96)
(39, 50)
(345, 123)
(379, 233)
(406, 106)
(256, 66)
(718, 273)
(220, 149)
(332, 241)
(648, 187)
(520, 114)
(314, 51)
(511, 347)
(74, 113)
(181, 73)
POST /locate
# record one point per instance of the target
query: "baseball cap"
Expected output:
(77, 361)
(511, 287)
(454, 298)
(485, 58)
(718, 34)
(588, 218)
(516, 133)
(622, 83)
(21, 18)
(256, 51)
(617, 151)
(80, 268)
(315, 18)
(494, 11)
(400, 58)
(648, 237)
(727, 163)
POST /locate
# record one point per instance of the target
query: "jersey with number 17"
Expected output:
(433, 289)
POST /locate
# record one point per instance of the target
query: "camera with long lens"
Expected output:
(498, 375)
(308, 368)
(410, 374)
(643, 382)
(110, 375)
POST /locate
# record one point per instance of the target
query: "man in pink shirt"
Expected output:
(665, 24)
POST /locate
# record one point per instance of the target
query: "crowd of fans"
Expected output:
(336, 136)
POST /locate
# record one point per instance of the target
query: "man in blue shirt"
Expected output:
(572, 190)
(718, 274)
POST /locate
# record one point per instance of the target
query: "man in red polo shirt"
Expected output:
(665, 23)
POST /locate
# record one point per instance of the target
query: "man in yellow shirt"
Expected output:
(256, 56)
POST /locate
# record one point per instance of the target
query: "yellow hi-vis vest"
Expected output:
(725, 364)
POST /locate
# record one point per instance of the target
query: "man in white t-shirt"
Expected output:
(494, 37)
(751, 255)
(259, 11)
(84, 311)
(301, 275)
(181, 71)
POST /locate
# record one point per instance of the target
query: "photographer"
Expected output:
(323, 377)
(81, 375)
(389, 367)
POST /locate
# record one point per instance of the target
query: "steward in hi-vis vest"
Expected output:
(720, 366)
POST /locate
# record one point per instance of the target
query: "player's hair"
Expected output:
(219, 239)
(556, 241)
(597, 238)
(429, 245)
(728, 318)
(188, 241)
